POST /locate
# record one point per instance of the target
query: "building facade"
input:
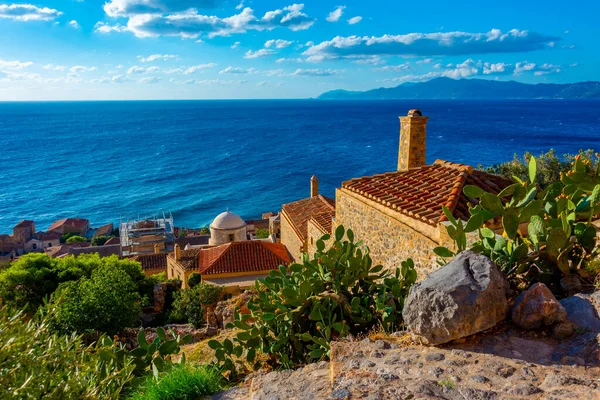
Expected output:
(227, 227)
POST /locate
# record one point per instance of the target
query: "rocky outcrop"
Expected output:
(537, 307)
(581, 312)
(466, 296)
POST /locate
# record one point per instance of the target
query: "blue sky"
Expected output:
(197, 49)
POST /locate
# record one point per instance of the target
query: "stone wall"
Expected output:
(290, 239)
(314, 234)
(389, 240)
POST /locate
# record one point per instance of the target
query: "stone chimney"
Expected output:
(412, 149)
(177, 252)
(314, 186)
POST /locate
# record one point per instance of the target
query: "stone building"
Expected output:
(227, 227)
(23, 231)
(78, 226)
(235, 265)
(42, 240)
(312, 215)
(399, 214)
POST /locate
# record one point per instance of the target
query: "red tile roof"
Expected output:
(421, 192)
(152, 261)
(246, 256)
(299, 212)
(112, 240)
(48, 236)
(104, 230)
(323, 220)
(24, 223)
(74, 222)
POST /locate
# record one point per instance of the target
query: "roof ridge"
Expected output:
(455, 194)
(450, 164)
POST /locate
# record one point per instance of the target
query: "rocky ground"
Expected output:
(505, 364)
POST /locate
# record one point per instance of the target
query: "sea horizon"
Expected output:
(196, 158)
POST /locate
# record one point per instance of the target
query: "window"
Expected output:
(34, 246)
(49, 244)
(231, 238)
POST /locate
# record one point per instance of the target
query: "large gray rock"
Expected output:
(537, 307)
(466, 296)
(581, 312)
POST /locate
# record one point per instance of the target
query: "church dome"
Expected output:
(228, 220)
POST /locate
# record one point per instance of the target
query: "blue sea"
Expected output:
(110, 160)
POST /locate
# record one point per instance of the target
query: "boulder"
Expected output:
(537, 307)
(466, 296)
(581, 312)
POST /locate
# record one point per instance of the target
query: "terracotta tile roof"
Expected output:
(102, 251)
(63, 249)
(421, 192)
(104, 230)
(112, 240)
(47, 236)
(189, 258)
(299, 212)
(323, 220)
(24, 223)
(74, 222)
(192, 240)
(152, 261)
(246, 256)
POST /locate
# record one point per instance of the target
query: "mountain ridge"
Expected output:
(447, 88)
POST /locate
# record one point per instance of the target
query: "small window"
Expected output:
(231, 238)
(34, 246)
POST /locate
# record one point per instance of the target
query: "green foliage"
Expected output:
(184, 382)
(549, 167)
(108, 301)
(262, 233)
(76, 239)
(194, 279)
(298, 311)
(159, 278)
(66, 236)
(155, 357)
(189, 304)
(559, 238)
(38, 363)
(35, 276)
(100, 240)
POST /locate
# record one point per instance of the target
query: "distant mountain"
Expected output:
(446, 88)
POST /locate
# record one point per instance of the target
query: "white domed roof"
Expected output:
(228, 220)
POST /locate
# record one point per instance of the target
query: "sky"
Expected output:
(221, 49)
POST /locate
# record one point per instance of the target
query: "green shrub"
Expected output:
(184, 382)
(262, 233)
(194, 279)
(76, 239)
(38, 363)
(189, 304)
(298, 311)
(108, 301)
(159, 278)
(546, 234)
(100, 240)
(35, 276)
(550, 167)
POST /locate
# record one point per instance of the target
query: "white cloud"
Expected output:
(28, 12)
(149, 79)
(237, 71)
(394, 68)
(155, 57)
(428, 44)
(136, 70)
(52, 67)
(74, 24)
(169, 71)
(235, 45)
(218, 82)
(199, 67)
(240, 6)
(355, 20)
(5, 64)
(283, 59)
(103, 27)
(259, 53)
(124, 8)
(190, 24)
(278, 43)
(81, 68)
(370, 60)
(315, 72)
(336, 14)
